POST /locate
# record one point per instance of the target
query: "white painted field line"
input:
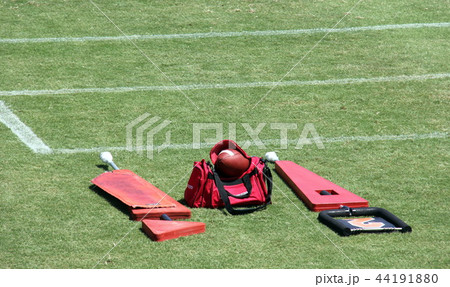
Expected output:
(22, 131)
(401, 78)
(271, 142)
(142, 53)
(226, 34)
(277, 83)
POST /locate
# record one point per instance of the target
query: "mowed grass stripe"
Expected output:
(270, 142)
(347, 81)
(228, 34)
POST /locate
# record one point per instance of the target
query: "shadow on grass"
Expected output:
(103, 166)
(111, 199)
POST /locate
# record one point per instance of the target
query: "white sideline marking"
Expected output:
(401, 78)
(22, 131)
(227, 34)
(434, 135)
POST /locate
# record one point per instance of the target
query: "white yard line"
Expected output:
(269, 142)
(401, 78)
(277, 83)
(226, 34)
(142, 53)
(22, 131)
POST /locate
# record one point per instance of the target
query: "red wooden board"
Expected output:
(178, 212)
(160, 230)
(132, 189)
(308, 185)
(143, 198)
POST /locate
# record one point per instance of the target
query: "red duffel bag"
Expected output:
(249, 192)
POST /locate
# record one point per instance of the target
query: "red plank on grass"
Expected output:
(143, 198)
(160, 230)
(178, 212)
(309, 186)
(132, 189)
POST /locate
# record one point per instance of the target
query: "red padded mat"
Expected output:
(178, 212)
(133, 190)
(160, 230)
(309, 186)
(144, 199)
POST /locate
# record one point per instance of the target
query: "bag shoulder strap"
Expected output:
(224, 194)
(269, 180)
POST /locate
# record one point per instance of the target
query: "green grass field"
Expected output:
(385, 131)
